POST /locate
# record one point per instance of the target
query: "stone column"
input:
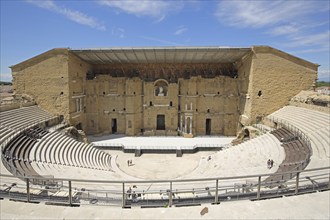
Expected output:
(77, 105)
(80, 103)
(180, 122)
(185, 125)
(191, 121)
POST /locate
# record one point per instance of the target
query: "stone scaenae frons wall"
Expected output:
(163, 98)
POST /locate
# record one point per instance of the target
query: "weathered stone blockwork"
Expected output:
(275, 77)
(163, 91)
(46, 79)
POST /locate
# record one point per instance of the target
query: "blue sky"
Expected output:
(31, 27)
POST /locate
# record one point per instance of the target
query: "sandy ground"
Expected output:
(158, 166)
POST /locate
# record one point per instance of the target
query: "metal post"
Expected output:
(297, 183)
(259, 185)
(70, 193)
(329, 182)
(124, 197)
(170, 199)
(28, 198)
(216, 197)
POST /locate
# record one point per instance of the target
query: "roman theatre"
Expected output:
(163, 127)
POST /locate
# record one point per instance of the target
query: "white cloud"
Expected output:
(180, 30)
(72, 15)
(155, 9)
(320, 39)
(262, 13)
(284, 29)
(298, 21)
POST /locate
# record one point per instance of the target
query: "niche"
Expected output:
(160, 88)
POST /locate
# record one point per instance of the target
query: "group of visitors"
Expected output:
(132, 194)
(129, 162)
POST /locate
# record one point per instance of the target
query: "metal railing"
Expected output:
(161, 193)
(300, 135)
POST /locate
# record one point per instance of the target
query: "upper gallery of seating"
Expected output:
(24, 142)
(316, 125)
(14, 121)
(16, 152)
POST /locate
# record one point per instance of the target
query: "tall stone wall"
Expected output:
(45, 78)
(155, 105)
(136, 98)
(214, 99)
(275, 78)
(77, 69)
(135, 105)
(244, 68)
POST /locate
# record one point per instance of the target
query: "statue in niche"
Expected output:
(160, 91)
(161, 88)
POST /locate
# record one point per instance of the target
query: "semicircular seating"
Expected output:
(60, 149)
(23, 142)
(315, 124)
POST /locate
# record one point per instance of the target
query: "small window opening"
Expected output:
(196, 110)
(150, 103)
(103, 93)
(124, 109)
(113, 110)
(208, 110)
(259, 93)
(134, 93)
(171, 104)
(61, 93)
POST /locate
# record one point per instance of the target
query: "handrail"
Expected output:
(299, 134)
(172, 180)
(192, 191)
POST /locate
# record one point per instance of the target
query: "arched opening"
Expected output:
(246, 133)
(161, 88)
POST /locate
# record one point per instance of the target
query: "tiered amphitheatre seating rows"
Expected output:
(297, 154)
(248, 157)
(15, 121)
(17, 151)
(57, 148)
(22, 118)
(316, 125)
(18, 134)
(283, 134)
